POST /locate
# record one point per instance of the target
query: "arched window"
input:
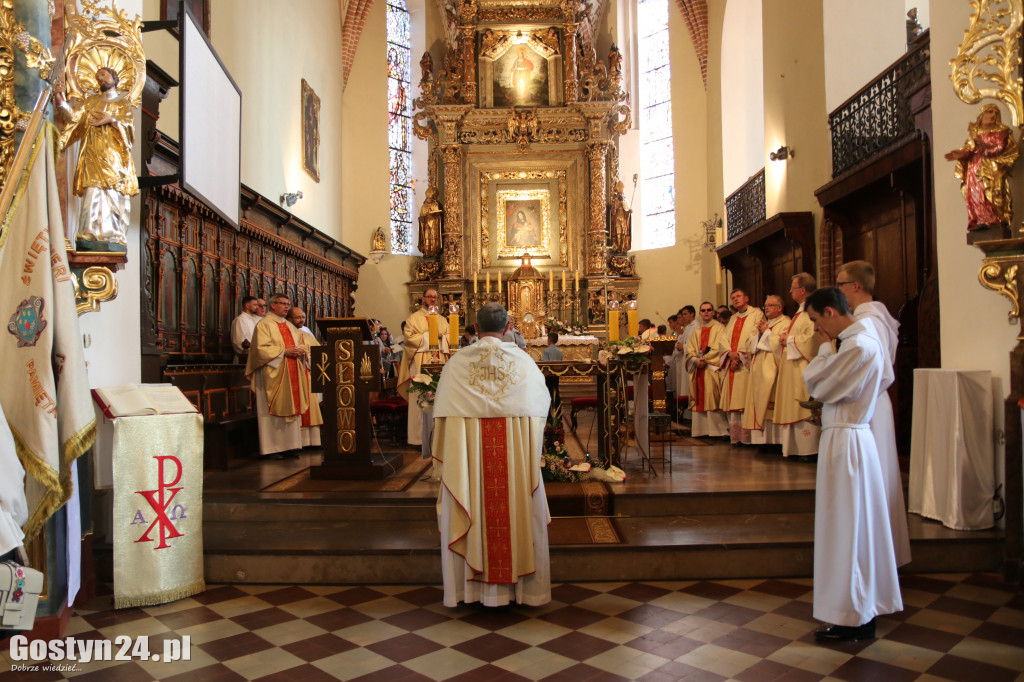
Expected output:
(656, 152)
(400, 126)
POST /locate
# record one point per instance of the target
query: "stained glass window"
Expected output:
(658, 158)
(400, 126)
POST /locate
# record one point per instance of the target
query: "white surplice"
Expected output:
(242, 328)
(855, 575)
(489, 415)
(884, 429)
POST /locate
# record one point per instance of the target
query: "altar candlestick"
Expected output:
(474, 282)
(499, 281)
(563, 280)
(632, 323)
(551, 280)
(488, 283)
(432, 330)
(613, 325)
(577, 285)
(453, 330)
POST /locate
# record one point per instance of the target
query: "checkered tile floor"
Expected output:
(955, 627)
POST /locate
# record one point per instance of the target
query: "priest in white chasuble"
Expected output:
(765, 353)
(799, 432)
(489, 417)
(735, 361)
(856, 280)
(277, 357)
(855, 577)
(416, 343)
(702, 356)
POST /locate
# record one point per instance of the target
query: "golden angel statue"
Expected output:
(983, 166)
(621, 221)
(105, 73)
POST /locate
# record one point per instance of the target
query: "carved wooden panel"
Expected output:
(197, 269)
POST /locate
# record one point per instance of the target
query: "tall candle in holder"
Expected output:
(499, 281)
(551, 280)
(563, 280)
(577, 285)
(474, 281)
(487, 282)
(453, 330)
(613, 325)
(632, 319)
(432, 328)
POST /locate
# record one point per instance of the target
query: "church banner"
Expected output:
(158, 509)
(46, 392)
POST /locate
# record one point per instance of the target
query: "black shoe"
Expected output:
(291, 454)
(806, 458)
(846, 633)
(274, 456)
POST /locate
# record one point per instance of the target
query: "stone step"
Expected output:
(325, 551)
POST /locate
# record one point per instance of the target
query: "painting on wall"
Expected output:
(524, 223)
(310, 131)
(520, 78)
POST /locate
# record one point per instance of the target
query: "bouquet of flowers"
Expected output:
(560, 327)
(630, 350)
(424, 385)
(557, 466)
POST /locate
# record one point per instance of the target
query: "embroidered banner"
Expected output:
(158, 509)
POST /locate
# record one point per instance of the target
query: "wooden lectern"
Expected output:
(346, 369)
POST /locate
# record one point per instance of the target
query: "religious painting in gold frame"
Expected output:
(310, 131)
(491, 182)
(524, 223)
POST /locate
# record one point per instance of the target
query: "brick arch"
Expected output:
(351, 29)
(695, 12)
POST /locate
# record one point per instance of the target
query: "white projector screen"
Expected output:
(211, 124)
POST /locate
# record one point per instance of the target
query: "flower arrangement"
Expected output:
(631, 350)
(557, 465)
(560, 327)
(424, 385)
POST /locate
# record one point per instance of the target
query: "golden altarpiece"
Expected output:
(522, 120)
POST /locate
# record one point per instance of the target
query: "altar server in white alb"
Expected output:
(855, 575)
(243, 326)
(856, 280)
(489, 417)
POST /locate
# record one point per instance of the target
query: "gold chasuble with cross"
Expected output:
(489, 419)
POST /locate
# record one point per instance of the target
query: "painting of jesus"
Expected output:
(520, 78)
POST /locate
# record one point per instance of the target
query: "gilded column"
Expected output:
(451, 236)
(468, 64)
(572, 77)
(597, 231)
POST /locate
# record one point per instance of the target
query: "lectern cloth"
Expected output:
(158, 509)
(952, 465)
(855, 575)
(883, 427)
(489, 417)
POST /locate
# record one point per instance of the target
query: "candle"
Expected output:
(563, 280)
(453, 330)
(613, 325)
(432, 330)
(551, 280)
(577, 280)
(499, 281)
(632, 323)
(474, 282)
(488, 283)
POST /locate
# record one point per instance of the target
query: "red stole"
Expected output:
(497, 517)
(293, 366)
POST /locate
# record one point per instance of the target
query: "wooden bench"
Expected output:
(222, 395)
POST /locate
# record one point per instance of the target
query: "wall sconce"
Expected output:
(289, 198)
(781, 154)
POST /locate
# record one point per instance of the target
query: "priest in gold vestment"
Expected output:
(489, 416)
(735, 361)
(702, 355)
(416, 344)
(278, 369)
(798, 430)
(765, 353)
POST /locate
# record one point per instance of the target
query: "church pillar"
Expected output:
(597, 230)
(451, 237)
